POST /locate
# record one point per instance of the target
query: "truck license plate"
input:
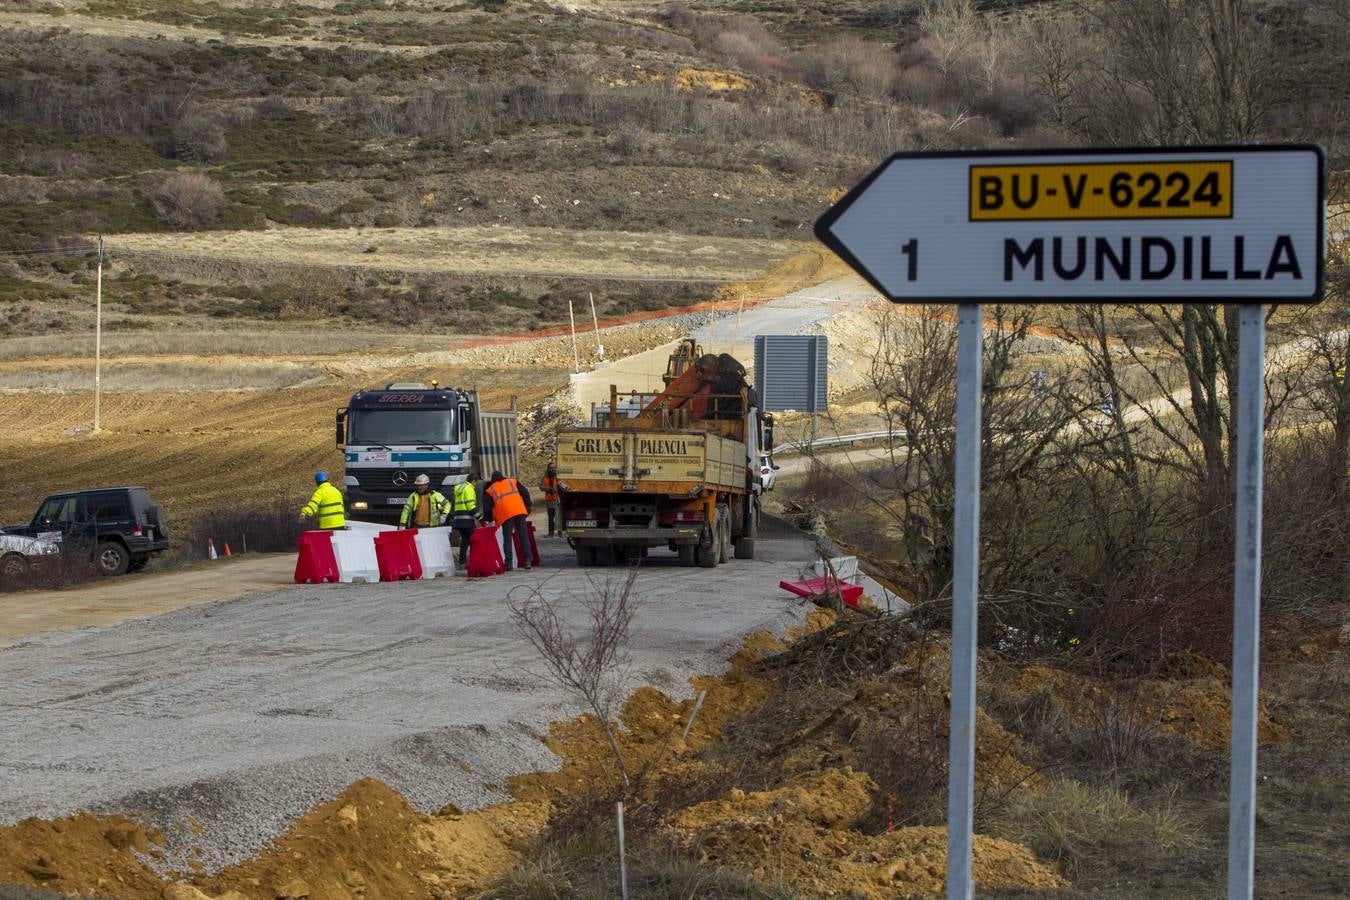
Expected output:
(396, 501)
(581, 523)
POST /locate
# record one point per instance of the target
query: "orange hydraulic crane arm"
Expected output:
(682, 391)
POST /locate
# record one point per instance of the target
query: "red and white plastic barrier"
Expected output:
(367, 552)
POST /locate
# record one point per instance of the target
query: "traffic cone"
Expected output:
(227, 548)
(211, 549)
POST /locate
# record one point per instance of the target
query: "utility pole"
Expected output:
(98, 338)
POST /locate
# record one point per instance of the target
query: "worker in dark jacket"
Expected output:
(507, 503)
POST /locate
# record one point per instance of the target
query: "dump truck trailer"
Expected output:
(682, 474)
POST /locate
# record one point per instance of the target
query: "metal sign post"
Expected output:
(965, 599)
(1235, 224)
(1251, 415)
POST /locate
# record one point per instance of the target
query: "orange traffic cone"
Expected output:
(211, 549)
(227, 548)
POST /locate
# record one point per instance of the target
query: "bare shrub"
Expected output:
(253, 529)
(199, 136)
(22, 189)
(188, 201)
(851, 65)
(586, 664)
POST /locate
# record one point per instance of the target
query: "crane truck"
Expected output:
(681, 472)
(391, 436)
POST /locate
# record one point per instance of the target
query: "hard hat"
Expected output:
(456, 479)
(320, 476)
(421, 480)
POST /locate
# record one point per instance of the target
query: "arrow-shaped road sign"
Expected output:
(1150, 224)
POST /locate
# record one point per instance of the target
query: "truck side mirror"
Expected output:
(466, 417)
(340, 422)
(768, 433)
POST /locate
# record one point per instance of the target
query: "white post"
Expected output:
(965, 597)
(1251, 413)
(576, 357)
(599, 348)
(623, 862)
(98, 340)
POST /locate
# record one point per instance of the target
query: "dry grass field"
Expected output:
(491, 250)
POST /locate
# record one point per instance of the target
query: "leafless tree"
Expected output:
(585, 663)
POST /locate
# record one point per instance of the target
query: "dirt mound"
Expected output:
(799, 834)
(368, 842)
(80, 853)
(1189, 697)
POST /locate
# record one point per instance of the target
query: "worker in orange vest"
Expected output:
(549, 485)
(507, 503)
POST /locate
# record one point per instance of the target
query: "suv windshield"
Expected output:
(393, 427)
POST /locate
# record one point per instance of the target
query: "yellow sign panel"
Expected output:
(1146, 190)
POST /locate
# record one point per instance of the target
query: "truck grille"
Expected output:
(381, 481)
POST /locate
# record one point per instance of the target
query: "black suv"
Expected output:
(119, 525)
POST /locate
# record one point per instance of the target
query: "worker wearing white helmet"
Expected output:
(425, 508)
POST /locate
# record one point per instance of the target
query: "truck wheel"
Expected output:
(585, 556)
(724, 540)
(745, 544)
(709, 555)
(687, 554)
(112, 558)
(604, 556)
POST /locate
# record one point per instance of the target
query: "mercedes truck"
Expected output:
(391, 436)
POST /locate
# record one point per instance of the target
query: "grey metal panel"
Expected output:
(792, 372)
(494, 444)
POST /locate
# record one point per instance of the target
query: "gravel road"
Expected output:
(242, 714)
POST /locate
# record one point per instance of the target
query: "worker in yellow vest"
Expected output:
(424, 508)
(464, 514)
(549, 485)
(507, 503)
(326, 502)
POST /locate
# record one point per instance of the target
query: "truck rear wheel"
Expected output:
(687, 554)
(745, 544)
(585, 556)
(708, 556)
(724, 538)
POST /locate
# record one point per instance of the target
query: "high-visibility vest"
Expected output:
(466, 498)
(436, 511)
(326, 502)
(550, 485)
(506, 500)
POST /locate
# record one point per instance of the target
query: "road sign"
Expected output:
(1149, 224)
(791, 372)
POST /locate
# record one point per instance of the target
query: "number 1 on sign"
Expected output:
(910, 249)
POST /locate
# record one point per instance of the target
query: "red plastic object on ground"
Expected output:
(316, 563)
(484, 556)
(534, 545)
(396, 553)
(815, 587)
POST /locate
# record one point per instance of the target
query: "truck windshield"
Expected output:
(395, 427)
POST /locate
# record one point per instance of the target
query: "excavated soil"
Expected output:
(1188, 696)
(801, 834)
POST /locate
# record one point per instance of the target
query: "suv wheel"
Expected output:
(112, 558)
(13, 567)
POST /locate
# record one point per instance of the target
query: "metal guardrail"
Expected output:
(861, 437)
